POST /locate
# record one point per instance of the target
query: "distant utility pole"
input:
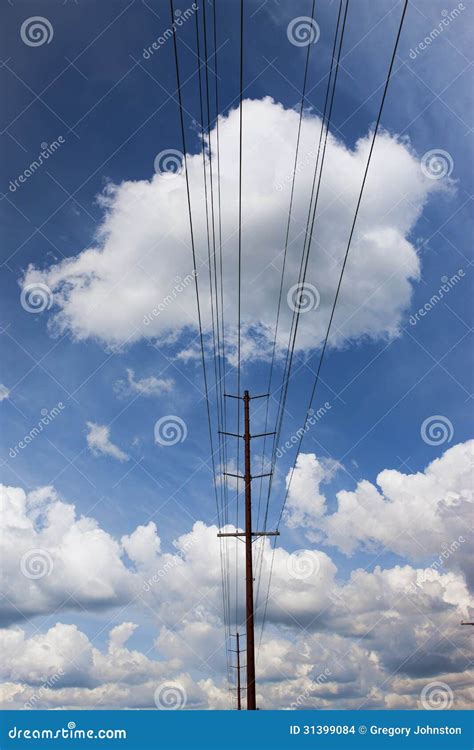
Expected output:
(238, 668)
(249, 535)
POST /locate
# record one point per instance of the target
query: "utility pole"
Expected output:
(239, 700)
(249, 535)
(238, 667)
(251, 699)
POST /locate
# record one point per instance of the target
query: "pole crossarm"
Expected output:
(235, 434)
(256, 533)
(251, 398)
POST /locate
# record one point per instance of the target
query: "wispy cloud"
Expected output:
(151, 386)
(4, 392)
(98, 440)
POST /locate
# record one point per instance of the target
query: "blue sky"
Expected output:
(115, 112)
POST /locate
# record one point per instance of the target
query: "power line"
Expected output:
(325, 121)
(308, 236)
(239, 302)
(196, 283)
(221, 342)
(374, 136)
(300, 119)
(346, 255)
(280, 294)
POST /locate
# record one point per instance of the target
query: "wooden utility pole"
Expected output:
(249, 535)
(250, 626)
(239, 697)
(238, 667)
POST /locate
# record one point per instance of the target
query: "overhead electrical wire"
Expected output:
(198, 303)
(215, 323)
(313, 201)
(261, 547)
(351, 234)
(285, 250)
(308, 234)
(239, 293)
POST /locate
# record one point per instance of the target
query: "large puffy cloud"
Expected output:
(134, 281)
(51, 558)
(420, 516)
(328, 642)
(64, 669)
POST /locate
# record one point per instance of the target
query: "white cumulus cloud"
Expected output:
(415, 515)
(109, 291)
(317, 623)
